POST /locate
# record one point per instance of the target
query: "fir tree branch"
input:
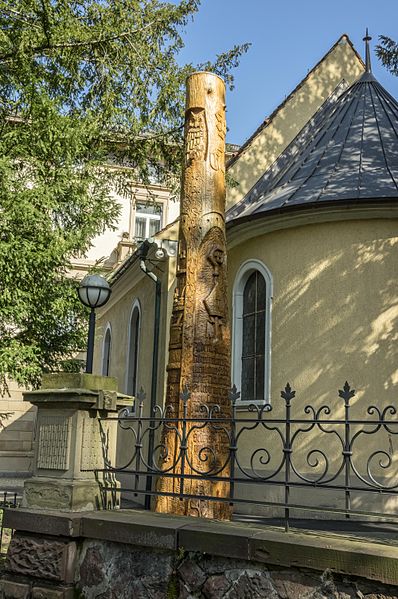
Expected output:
(45, 48)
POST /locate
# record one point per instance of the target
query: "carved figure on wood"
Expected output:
(215, 302)
(196, 136)
(199, 353)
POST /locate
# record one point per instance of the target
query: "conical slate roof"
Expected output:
(349, 151)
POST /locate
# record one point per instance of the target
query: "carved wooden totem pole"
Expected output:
(199, 350)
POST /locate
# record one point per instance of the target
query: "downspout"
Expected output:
(154, 378)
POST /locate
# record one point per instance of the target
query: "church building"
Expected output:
(312, 256)
(297, 228)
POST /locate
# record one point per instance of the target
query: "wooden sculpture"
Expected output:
(199, 350)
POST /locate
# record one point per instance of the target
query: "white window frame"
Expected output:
(108, 328)
(136, 304)
(148, 217)
(244, 272)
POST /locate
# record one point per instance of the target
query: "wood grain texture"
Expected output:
(199, 350)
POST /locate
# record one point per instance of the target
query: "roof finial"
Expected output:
(367, 39)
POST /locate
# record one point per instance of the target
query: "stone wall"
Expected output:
(132, 554)
(112, 571)
(106, 570)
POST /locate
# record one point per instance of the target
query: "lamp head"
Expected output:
(94, 291)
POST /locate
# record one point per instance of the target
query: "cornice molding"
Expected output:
(240, 232)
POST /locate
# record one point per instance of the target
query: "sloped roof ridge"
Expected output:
(393, 106)
(270, 118)
(388, 99)
(325, 125)
(282, 163)
(346, 152)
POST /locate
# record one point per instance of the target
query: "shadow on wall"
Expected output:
(334, 318)
(335, 310)
(343, 317)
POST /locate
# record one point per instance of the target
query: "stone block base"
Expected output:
(41, 557)
(12, 589)
(68, 495)
(39, 567)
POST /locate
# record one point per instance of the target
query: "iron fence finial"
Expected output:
(346, 393)
(288, 393)
(233, 394)
(186, 394)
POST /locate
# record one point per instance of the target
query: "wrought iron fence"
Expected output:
(311, 461)
(7, 500)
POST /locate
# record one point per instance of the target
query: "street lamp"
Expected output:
(94, 292)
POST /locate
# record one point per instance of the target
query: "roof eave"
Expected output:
(315, 208)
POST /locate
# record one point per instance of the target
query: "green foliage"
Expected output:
(82, 83)
(387, 52)
(173, 586)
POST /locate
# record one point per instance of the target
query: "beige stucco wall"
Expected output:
(135, 285)
(335, 307)
(334, 318)
(118, 316)
(341, 63)
(104, 244)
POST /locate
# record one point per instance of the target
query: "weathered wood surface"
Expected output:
(199, 350)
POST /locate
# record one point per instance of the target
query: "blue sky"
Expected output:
(288, 38)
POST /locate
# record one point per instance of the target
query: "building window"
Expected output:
(252, 332)
(148, 219)
(106, 351)
(133, 349)
(253, 338)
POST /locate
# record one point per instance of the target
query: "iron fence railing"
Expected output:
(311, 461)
(7, 500)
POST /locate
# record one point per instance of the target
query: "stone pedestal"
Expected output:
(72, 444)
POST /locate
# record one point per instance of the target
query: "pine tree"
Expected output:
(80, 81)
(387, 52)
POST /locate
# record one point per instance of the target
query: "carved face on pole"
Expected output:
(218, 256)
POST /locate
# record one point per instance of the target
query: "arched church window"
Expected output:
(133, 349)
(252, 332)
(106, 351)
(253, 338)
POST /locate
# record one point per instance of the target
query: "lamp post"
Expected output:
(94, 292)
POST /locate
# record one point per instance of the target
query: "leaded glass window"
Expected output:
(253, 338)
